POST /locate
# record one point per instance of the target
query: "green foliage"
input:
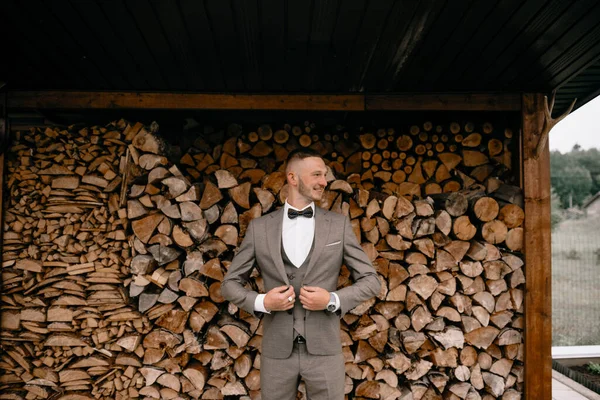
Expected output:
(575, 175)
(590, 160)
(573, 184)
(593, 368)
(556, 209)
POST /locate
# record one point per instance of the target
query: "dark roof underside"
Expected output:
(303, 46)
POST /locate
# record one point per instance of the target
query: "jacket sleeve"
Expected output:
(233, 287)
(366, 283)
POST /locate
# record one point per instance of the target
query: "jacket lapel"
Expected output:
(274, 229)
(322, 226)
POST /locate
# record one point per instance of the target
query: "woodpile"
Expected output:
(66, 315)
(114, 258)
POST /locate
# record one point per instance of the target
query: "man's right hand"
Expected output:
(278, 299)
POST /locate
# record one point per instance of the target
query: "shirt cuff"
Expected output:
(337, 301)
(259, 304)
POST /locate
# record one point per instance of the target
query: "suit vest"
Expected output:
(296, 277)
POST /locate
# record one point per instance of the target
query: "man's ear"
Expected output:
(291, 176)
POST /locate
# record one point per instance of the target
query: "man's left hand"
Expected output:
(314, 298)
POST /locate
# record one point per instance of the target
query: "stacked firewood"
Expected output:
(66, 316)
(447, 323)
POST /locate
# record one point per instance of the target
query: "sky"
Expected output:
(580, 127)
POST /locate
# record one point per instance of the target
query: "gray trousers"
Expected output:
(323, 376)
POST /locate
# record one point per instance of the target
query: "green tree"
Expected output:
(575, 175)
(555, 209)
(590, 160)
(573, 184)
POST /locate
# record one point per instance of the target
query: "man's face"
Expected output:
(311, 178)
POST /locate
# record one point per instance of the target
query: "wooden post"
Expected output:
(538, 296)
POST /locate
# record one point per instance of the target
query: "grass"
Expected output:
(594, 368)
(576, 283)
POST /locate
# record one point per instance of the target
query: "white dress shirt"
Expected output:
(297, 236)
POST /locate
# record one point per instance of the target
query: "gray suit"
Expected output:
(335, 244)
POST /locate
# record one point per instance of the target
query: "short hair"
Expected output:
(301, 154)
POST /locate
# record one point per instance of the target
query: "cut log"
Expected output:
(514, 239)
(494, 231)
(463, 229)
(512, 216)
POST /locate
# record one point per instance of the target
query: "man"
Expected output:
(299, 250)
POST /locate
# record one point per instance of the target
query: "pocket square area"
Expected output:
(333, 244)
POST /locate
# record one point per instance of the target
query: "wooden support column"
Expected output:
(538, 296)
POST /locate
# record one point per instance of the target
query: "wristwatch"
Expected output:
(331, 304)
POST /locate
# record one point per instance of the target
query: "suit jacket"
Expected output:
(335, 244)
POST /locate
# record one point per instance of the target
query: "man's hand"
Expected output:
(314, 298)
(278, 299)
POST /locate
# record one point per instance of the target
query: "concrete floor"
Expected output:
(564, 388)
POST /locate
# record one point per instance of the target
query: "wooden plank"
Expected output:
(500, 70)
(181, 101)
(272, 35)
(445, 102)
(490, 28)
(146, 20)
(405, 17)
(298, 22)
(130, 39)
(432, 44)
(495, 48)
(247, 27)
(324, 18)
(222, 25)
(32, 63)
(466, 32)
(562, 105)
(551, 46)
(585, 52)
(376, 18)
(95, 20)
(343, 39)
(538, 296)
(37, 15)
(189, 61)
(38, 48)
(87, 45)
(201, 37)
(421, 24)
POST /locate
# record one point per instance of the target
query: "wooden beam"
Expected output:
(182, 101)
(445, 102)
(538, 255)
(205, 101)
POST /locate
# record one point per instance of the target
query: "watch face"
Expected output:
(331, 307)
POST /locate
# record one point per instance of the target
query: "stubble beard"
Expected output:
(308, 192)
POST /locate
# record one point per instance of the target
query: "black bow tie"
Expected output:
(307, 212)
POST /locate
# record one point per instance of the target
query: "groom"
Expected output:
(299, 250)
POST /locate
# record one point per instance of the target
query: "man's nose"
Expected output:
(323, 181)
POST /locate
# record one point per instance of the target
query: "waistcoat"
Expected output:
(296, 277)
